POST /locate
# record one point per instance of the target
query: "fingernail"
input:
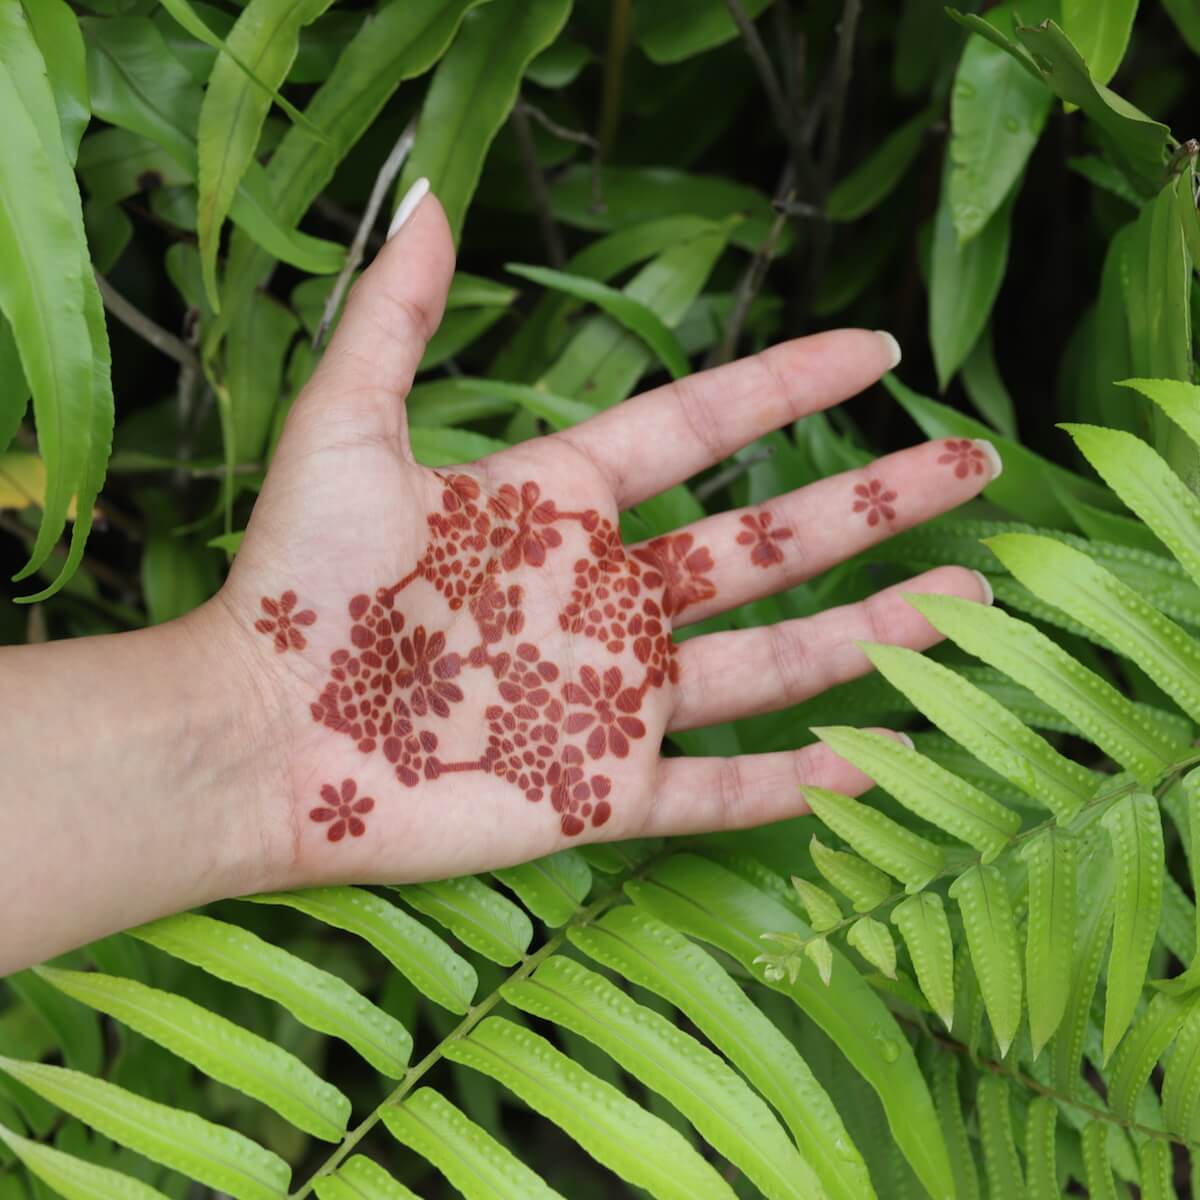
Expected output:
(893, 348)
(985, 586)
(904, 739)
(992, 455)
(408, 205)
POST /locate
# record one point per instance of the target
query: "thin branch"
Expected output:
(145, 328)
(354, 256)
(839, 90)
(781, 111)
(614, 65)
(344, 219)
(578, 136)
(536, 178)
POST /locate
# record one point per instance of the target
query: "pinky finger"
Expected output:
(706, 795)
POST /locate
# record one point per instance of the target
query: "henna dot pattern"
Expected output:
(765, 541)
(342, 810)
(397, 688)
(965, 457)
(876, 501)
(281, 621)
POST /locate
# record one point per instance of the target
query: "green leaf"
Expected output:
(997, 111)
(314, 997)
(673, 30)
(473, 912)
(1041, 1159)
(557, 411)
(472, 93)
(1156, 1167)
(1050, 931)
(419, 955)
(1133, 139)
(654, 955)
(55, 28)
(1032, 659)
(139, 85)
(890, 846)
(986, 728)
(1097, 1172)
(954, 1128)
(818, 951)
(1179, 400)
(1181, 1083)
(267, 35)
(48, 296)
(986, 388)
(1075, 583)
(865, 886)
(709, 902)
(471, 1159)
(983, 902)
(876, 177)
(217, 1047)
(822, 909)
(1135, 831)
(552, 888)
(1100, 30)
(254, 358)
(1001, 1165)
(72, 1178)
(1140, 1050)
(446, 447)
(873, 941)
(614, 1130)
(75, 1028)
(701, 1085)
(602, 362)
(926, 789)
(631, 313)
(177, 576)
(221, 1158)
(1186, 15)
(361, 1178)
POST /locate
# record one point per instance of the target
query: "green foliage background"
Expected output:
(179, 181)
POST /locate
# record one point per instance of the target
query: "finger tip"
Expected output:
(408, 206)
(992, 455)
(985, 587)
(891, 348)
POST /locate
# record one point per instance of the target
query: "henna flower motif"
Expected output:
(682, 570)
(765, 540)
(527, 542)
(343, 810)
(876, 501)
(966, 457)
(609, 708)
(282, 622)
(428, 671)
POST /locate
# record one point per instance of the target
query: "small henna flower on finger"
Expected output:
(765, 540)
(282, 622)
(876, 501)
(966, 456)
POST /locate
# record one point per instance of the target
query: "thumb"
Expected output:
(392, 312)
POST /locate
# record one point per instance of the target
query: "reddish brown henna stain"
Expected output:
(875, 500)
(965, 457)
(282, 622)
(543, 734)
(765, 541)
(343, 810)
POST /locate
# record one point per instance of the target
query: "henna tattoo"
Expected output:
(343, 810)
(765, 540)
(965, 456)
(282, 622)
(394, 689)
(876, 501)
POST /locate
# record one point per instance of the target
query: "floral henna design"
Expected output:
(394, 688)
(965, 456)
(282, 622)
(876, 501)
(765, 540)
(343, 810)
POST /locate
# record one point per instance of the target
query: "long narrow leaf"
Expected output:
(1050, 930)
(361, 1178)
(73, 1178)
(485, 920)
(552, 888)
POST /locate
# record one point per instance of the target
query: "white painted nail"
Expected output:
(992, 455)
(989, 596)
(408, 205)
(893, 347)
(904, 739)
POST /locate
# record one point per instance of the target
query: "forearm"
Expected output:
(133, 771)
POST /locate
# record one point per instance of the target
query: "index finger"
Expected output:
(649, 443)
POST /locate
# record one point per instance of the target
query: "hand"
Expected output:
(459, 669)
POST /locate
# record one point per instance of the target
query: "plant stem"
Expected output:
(614, 64)
(536, 178)
(145, 328)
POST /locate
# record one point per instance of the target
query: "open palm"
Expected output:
(466, 668)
